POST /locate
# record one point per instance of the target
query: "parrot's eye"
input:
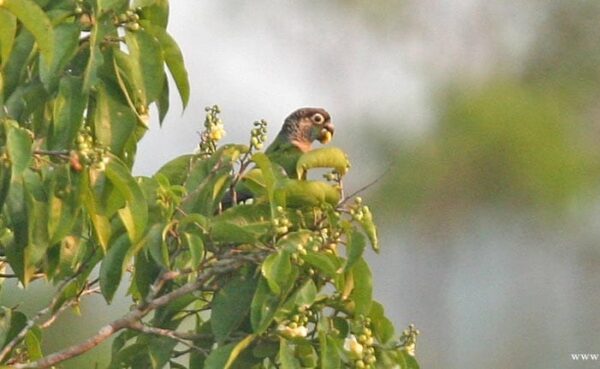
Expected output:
(318, 118)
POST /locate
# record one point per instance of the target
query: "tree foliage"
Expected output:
(278, 282)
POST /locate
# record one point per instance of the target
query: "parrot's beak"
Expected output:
(326, 133)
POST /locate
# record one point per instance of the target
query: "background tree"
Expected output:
(280, 282)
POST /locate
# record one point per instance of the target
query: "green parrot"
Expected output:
(300, 129)
(297, 134)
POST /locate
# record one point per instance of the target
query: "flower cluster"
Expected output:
(359, 345)
(281, 222)
(296, 326)
(213, 131)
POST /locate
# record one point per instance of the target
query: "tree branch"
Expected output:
(180, 337)
(222, 266)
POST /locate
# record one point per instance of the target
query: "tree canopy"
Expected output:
(277, 282)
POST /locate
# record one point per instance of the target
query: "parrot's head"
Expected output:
(306, 125)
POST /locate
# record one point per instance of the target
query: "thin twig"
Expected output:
(365, 187)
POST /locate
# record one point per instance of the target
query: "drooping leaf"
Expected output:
(370, 229)
(135, 213)
(382, 327)
(237, 350)
(66, 40)
(263, 307)
(95, 210)
(325, 157)
(231, 305)
(277, 269)
(19, 147)
(362, 294)
(8, 31)
(37, 219)
(113, 120)
(330, 358)
(15, 66)
(36, 21)
(301, 193)
(69, 106)
(173, 58)
(195, 245)
(286, 356)
(355, 248)
(147, 73)
(112, 266)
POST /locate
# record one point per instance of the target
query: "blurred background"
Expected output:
(480, 120)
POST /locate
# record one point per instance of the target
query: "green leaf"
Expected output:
(406, 360)
(286, 356)
(135, 213)
(153, 242)
(13, 69)
(224, 356)
(36, 21)
(362, 294)
(370, 229)
(173, 58)
(5, 174)
(64, 202)
(19, 147)
(237, 350)
(69, 106)
(37, 219)
(355, 248)
(157, 12)
(225, 232)
(196, 246)
(277, 269)
(263, 307)
(382, 327)
(146, 271)
(147, 74)
(330, 358)
(95, 210)
(33, 341)
(177, 170)
(66, 41)
(325, 157)
(11, 323)
(305, 352)
(113, 265)
(329, 264)
(301, 193)
(114, 121)
(231, 304)
(8, 31)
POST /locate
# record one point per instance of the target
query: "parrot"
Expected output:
(296, 136)
(300, 129)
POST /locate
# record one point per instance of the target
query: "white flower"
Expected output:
(354, 348)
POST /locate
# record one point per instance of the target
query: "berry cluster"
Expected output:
(90, 153)
(130, 19)
(258, 134)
